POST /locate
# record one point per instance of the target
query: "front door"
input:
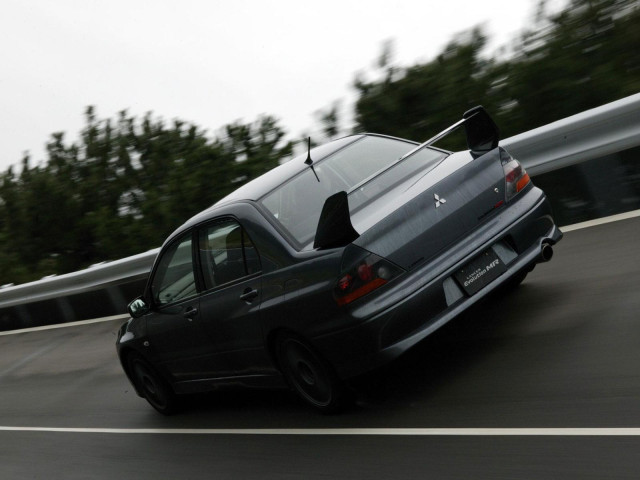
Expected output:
(176, 338)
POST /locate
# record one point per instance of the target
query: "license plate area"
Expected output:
(480, 271)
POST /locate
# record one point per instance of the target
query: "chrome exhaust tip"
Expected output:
(546, 252)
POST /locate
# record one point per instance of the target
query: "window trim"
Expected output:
(197, 280)
(194, 232)
(200, 232)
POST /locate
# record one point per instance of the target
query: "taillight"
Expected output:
(367, 273)
(515, 177)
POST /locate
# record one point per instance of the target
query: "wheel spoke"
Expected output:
(308, 374)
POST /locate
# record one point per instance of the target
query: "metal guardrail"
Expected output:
(108, 273)
(104, 289)
(591, 134)
(100, 290)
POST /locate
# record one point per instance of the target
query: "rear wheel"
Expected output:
(155, 389)
(309, 375)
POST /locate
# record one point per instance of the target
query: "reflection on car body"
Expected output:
(321, 270)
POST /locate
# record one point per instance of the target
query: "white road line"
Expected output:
(23, 361)
(601, 221)
(424, 432)
(65, 325)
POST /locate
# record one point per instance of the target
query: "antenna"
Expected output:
(308, 161)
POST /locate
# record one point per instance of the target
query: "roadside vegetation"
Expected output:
(128, 182)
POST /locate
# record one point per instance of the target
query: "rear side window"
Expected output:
(174, 279)
(226, 253)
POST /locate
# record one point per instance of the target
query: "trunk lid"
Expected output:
(414, 221)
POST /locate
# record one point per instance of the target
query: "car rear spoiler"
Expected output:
(335, 228)
(481, 131)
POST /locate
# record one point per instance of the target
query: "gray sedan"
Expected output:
(333, 264)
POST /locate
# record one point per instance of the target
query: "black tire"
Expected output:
(154, 388)
(310, 376)
(515, 281)
(518, 278)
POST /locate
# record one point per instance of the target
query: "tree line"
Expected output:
(122, 188)
(127, 182)
(563, 63)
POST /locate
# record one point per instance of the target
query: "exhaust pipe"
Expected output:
(546, 252)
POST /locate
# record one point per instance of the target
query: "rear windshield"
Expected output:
(364, 164)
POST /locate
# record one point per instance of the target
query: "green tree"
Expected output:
(122, 188)
(417, 101)
(582, 57)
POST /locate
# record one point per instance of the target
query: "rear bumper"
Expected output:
(427, 297)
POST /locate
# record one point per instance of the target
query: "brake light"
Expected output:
(345, 282)
(515, 177)
(367, 273)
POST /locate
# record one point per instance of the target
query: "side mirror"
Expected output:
(138, 308)
(482, 132)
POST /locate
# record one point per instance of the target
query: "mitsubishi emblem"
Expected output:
(439, 201)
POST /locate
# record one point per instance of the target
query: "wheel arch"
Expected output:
(272, 343)
(124, 354)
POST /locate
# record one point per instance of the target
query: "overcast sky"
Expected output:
(210, 62)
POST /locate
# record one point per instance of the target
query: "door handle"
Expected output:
(190, 313)
(249, 294)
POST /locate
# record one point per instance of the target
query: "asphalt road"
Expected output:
(560, 352)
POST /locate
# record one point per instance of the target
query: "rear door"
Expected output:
(230, 305)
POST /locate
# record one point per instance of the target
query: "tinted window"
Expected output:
(297, 204)
(226, 253)
(412, 167)
(174, 279)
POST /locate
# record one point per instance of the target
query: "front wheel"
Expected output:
(310, 375)
(153, 387)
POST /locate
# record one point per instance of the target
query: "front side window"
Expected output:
(226, 253)
(174, 279)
